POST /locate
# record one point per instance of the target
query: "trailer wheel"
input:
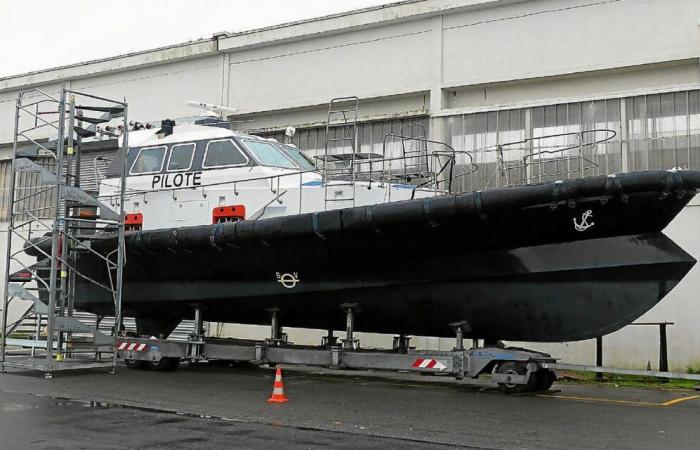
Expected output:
(165, 364)
(545, 379)
(134, 364)
(514, 368)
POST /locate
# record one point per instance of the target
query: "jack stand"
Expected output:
(458, 356)
(401, 343)
(196, 339)
(350, 343)
(276, 336)
(329, 340)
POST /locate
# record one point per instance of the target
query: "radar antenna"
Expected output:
(219, 110)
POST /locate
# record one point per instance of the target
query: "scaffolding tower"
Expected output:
(51, 216)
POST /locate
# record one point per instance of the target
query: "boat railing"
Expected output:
(413, 160)
(548, 157)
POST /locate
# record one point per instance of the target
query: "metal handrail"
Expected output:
(540, 157)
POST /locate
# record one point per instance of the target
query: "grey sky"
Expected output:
(39, 34)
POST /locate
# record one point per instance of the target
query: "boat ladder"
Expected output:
(341, 133)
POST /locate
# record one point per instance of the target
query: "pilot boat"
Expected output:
(239, 226)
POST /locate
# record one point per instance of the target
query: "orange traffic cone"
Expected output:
(278, 389)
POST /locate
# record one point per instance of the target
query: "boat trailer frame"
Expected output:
(514, 369)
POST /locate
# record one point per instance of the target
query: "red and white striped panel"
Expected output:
(132, 346)
(422, 363)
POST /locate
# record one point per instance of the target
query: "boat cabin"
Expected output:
(187, 175)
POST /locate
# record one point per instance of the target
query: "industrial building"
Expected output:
(472, 73)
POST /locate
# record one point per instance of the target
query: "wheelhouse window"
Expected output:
(181, 156)
(300, 158)
(149, 160)
(268, 155)
(223, 153)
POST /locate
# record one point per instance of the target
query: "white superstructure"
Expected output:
(181, 178)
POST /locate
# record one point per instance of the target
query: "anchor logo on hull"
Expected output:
(288, 280)
(584, 225)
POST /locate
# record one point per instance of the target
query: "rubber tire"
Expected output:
(518, 369)
(134, 364)
(165, 364)
(545, 378)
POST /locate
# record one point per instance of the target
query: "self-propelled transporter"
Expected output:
(239, 225)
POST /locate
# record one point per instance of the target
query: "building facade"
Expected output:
(472, 73)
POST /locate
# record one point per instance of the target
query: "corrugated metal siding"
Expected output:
(93, 166)
(663, 132)
(36, 198)
(370, 135)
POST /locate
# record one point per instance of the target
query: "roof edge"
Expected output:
(350, 20)
(142, 58)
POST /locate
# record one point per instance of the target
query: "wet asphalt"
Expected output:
(216, 407)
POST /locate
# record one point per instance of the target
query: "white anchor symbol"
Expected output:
(584, 225)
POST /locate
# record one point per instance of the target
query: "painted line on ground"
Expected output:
(679, 400)
(672, 402)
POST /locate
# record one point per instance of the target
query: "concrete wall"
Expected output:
(425, 57)
(553, 37)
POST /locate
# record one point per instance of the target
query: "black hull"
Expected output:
(510, 262)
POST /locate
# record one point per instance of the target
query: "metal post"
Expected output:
(401, 343)
(459, 343)
(276, 335)
(37, 334)
(329, 340)
(98, 319)
(349, 324)
(55, 234)
(580, 154)
(458, 351)
(78, 151)
(599, 357)
(63, 298)
(350, 343)
(663, 348)
(529, 144)
(274, 326)
(8, 250)
(196, 337)
(122, 246)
